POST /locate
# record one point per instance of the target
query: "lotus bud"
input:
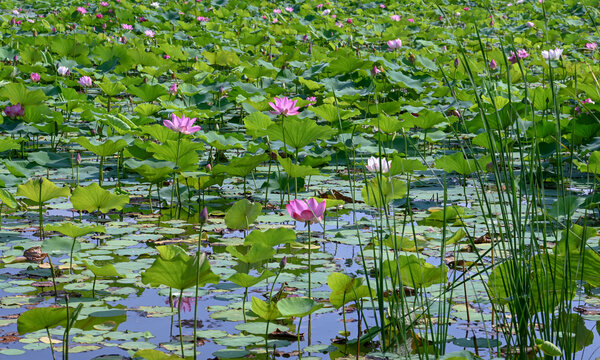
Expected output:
(78, 158)
(283, 262)
(203, 216)
(456, 63)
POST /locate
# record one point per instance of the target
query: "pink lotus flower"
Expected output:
(394, 44)
(493, 65)
(289, 9)
(530, 24)
(166, 56)
(186, 303)
(311, 100)
(591, 46)
(173, 89)
(85, 81)
(181, 124)
(81, 10)
(349, 21)
(521, 54)
(104, 4)
(396, 17)
(306, 210)
(202, 19)
(149, 33)
(411, 20)
(382, 6)
(374, 165)
(284, 106)
(14, 111)
(277, 11)
(99, 16)
(127, 27)
(35, 77)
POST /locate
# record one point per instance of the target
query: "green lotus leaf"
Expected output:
(405, 166)
(151, 354)
(148, 93)
(8, 199)
(17, 93)
(271, 237)
(295, 170)
(254, 254)
(74, 231)
(414, 272)
(241, 166)
(257, 124)
(95, 198)
(242, 214)
(548, 348)
(299, 132)
(41, 318)
(380, 191)
(179, 272)
(187, 153)
(107, 270)
(297, 306)
(329, 113)
(111, 88)
(106, 148)
(266, 310)
(246, 281)
(40, 193)
(345, 289)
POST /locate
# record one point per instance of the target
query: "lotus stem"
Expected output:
(309, 264)
(71, 256)
(196, 292)
(179, 321)
(50, 342)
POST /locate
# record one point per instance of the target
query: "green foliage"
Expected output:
(345, 289)
(95, 198)
(39, 193)
(242, 214)
(179, 272)
(41, 318)
(414, 272)
(380, 191)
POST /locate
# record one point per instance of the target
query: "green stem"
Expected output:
(101, 173)
(41, 212)
(179, 321)
(94, 287)
(309, 264)
(71, 256)
(53, 278)
(174, 173)
(196, 293)
(50, 342)
(244, 303)
(299, 351)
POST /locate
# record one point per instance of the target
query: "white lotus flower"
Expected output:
(552, 54)
(155, 5)
(375, 164)
(63, 71)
